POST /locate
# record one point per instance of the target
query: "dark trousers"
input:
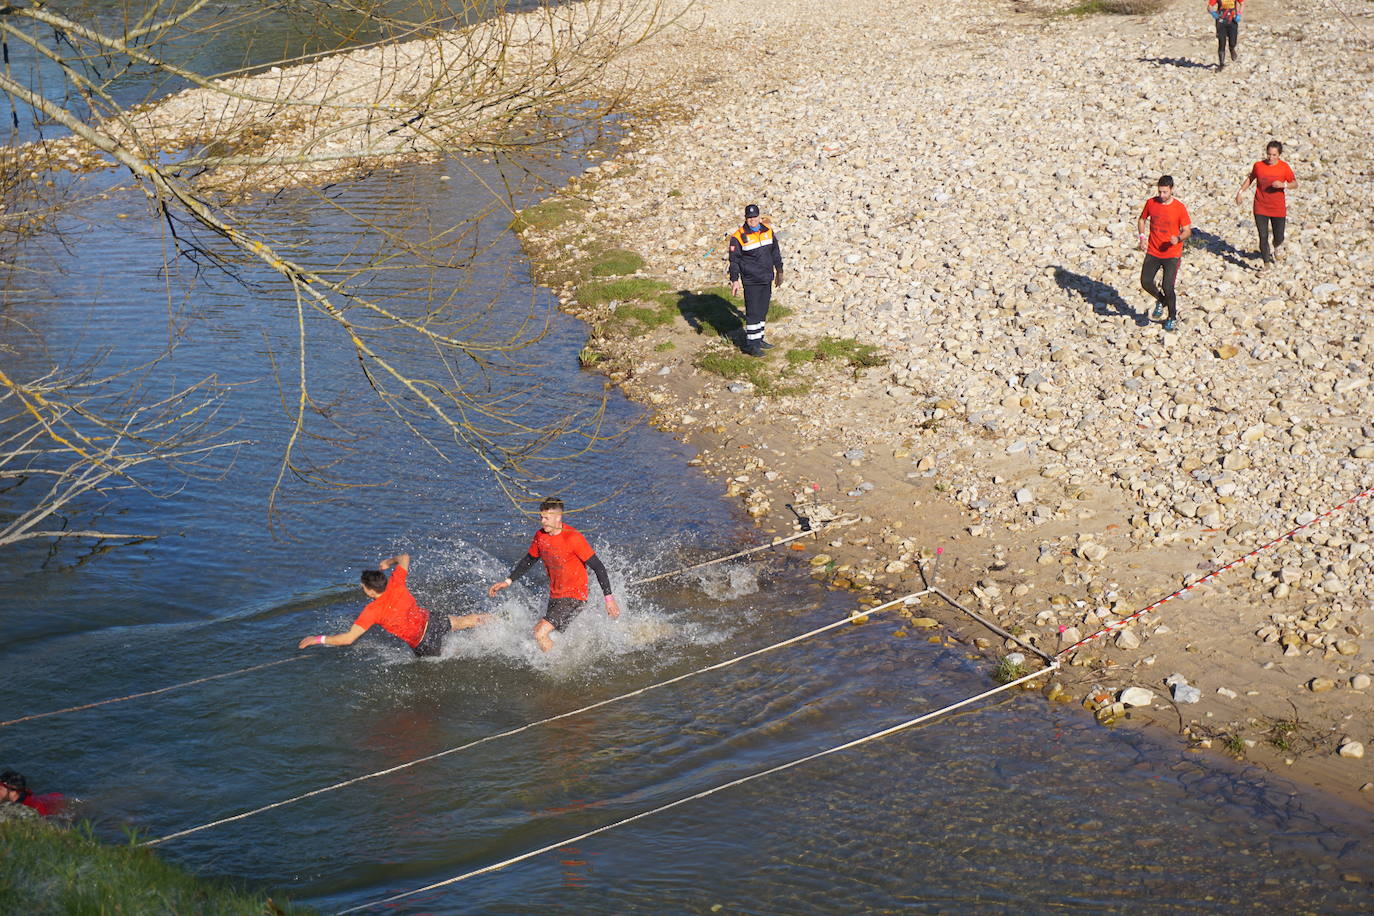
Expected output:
(1227, 33)
(1165, 296)
(1263, 223)
(756, 298)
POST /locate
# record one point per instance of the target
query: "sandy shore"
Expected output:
(961, 191)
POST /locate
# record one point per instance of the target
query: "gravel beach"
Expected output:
(959, 185)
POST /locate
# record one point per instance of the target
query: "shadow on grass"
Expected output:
(1103, 297)
(1174, 62)
(713, 309)
(1221, 248)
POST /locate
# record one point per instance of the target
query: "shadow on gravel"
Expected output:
(1103, 297)
(1173, 62)
(708, 309)
(1221, 248)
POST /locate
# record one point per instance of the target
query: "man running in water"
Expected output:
(1271, 177)
(1165, 219)
(1227, 16)
(394, 609)
(567, 556)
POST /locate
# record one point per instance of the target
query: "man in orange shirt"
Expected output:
(567, 556)
(394, 609)
(1164, 227)
(1271, 177)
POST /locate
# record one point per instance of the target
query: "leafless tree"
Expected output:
(438, 81)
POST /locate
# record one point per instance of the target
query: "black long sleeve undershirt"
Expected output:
(602, 579)
(594, 563)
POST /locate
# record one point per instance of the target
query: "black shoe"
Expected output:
(765, 345)
(753, 351)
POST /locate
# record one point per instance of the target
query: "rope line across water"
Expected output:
(149, 693)
(856, 616)
(1239, 561)
(282, 661)
(890, 730)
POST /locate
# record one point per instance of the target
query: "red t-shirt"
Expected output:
(46, 805)
(1271, 201)
(1166, 221)
(565, 556)
(396, 611)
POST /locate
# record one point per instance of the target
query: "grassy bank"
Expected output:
(632, 315)
(48, 870)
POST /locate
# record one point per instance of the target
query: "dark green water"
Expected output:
(1018, 807)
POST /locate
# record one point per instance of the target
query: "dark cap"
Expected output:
(751, 211)
(16, 781)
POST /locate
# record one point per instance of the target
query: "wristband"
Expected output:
(321, 639)
(610, 598)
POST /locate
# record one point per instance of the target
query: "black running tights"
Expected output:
(1164, 296)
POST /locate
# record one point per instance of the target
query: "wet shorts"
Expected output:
(435, 631)
(562, 611)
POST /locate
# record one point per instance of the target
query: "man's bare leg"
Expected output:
(542, 629)
(468, 621)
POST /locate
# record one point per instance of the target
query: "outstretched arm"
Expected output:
(337, 639)
(401, 559)
(520, 569)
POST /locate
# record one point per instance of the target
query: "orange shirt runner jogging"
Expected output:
(1269, 200)
(1167, 221)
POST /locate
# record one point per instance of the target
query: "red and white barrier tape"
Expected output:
(1239, 561)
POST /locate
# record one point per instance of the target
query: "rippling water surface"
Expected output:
(1014, 807)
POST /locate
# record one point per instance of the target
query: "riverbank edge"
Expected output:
(565, 260)
(46, 868)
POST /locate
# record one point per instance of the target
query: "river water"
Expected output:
(1014, 807)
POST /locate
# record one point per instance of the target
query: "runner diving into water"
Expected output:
(395, 610)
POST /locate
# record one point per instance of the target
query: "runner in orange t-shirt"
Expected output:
(1166, 220)
(393, 608)
(1271, 177)
(567, 556)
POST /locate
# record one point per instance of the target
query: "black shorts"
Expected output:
(435, 631)
(562, 611)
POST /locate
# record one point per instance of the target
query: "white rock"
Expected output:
(1352, 749)
(1136, 696)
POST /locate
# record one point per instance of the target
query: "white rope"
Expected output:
(857, 615)
(744, 553)
(712, 791)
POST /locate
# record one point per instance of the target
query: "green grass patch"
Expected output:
(1116, 7)
(665, 346)
(1008, 670)
(615, 262)
(838, 349)
(627, 289)
(849, 350)
(639, 319)
(766, 379)
(45, 869)
(550, 214)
